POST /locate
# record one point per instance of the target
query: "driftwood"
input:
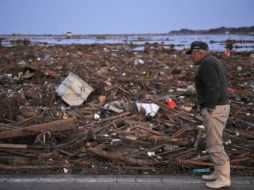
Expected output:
(19, 146)
(116, 157)
(59, 125)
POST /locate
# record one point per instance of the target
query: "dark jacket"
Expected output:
(211, 83)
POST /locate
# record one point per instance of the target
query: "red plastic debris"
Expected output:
(51, 74)
(231, 90)
(227, 53)
(171, 104)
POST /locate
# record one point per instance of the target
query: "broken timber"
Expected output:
(58, 125)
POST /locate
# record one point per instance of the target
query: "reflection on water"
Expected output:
(216, 42)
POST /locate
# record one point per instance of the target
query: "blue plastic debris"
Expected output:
(204, 170)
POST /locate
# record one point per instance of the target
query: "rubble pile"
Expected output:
(139, 116)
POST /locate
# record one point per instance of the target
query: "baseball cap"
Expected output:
(197, 45)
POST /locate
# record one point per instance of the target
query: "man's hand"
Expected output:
(210, 110)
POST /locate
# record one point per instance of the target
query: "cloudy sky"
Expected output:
(121, 16)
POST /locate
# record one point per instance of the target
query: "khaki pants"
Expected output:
(215, 123)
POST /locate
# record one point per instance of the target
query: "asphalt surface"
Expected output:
(70, 182)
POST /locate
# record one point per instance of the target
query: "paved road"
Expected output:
(114, 183)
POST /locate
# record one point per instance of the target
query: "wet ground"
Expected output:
(117, 144)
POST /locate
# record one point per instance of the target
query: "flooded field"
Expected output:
(178, 42)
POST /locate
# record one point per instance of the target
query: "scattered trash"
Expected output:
(47, 57)
(150, 109)
(201, 127)
(61, 107)
(190, 90)
(42, 137)
(97, 115)
(115, 106)
(239, 68)
(204, 170)
(252, 86)
(181, 90)
(169, 147)
(238, 98)
(138, 62)
(73, 90)
(65, 170)
(102, 100)
(171, 104)
(188, 109)
(51, 74)
(106, 135)
(151, 154)
(228, 142)
(116, 140)
(28, 74)
(226, 53)
(231, 90)
(22, 64)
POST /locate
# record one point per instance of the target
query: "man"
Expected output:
(212, 96)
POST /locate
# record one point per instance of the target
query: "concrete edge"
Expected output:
(115, 179)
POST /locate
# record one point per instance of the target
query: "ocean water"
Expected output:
(215, 42)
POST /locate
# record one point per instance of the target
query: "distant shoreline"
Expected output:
(213, 31)
(76, 36)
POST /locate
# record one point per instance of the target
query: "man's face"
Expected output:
(195, 56)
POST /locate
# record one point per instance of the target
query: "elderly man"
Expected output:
(212, 96)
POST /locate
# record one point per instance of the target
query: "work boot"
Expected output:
(211, 177)
(223, 177)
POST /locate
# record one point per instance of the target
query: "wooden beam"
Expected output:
(58, 125)
(117, 157)
(18, 146)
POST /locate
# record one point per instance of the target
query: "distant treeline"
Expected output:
(221, 30)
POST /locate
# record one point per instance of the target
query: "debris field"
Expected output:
(109, 133)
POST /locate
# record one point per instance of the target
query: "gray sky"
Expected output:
(121, 16)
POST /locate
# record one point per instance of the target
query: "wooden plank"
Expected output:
(59, 125)
(202, 158)
(117, 157)
(18, 146)
(180, 132)
(6, 127)
(148, 129)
